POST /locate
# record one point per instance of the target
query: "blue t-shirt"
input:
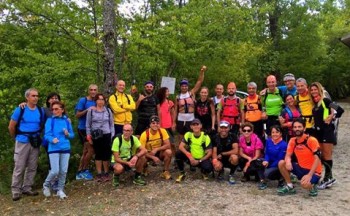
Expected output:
(83, 104)
(30, 122)
(275, 153)
(284, 91)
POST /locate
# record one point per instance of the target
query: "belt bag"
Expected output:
(96, 134)
(35, 140)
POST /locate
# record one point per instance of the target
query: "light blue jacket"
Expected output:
(54, 128)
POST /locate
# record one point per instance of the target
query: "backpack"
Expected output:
(18, 131)
(337, 108)
(235, 114)
(116, 99)
(258, 102)
(294, 158)
(147, 135)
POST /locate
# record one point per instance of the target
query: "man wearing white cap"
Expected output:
(225, 151)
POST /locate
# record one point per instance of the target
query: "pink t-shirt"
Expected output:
(255, 144)
(165, 114)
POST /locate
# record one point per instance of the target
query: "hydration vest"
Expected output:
(252, 109)
(231, 110)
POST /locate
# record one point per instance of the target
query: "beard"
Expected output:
(298, 133)
(231, 93)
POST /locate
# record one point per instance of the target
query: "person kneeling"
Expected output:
(307, 166)
(156, 141)
(225, 151)
(128, 154)
(195, 148)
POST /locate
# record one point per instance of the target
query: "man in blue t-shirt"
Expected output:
(81, 109)
(25, 127)
(289, 85)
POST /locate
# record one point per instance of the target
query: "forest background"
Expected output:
(65, 45)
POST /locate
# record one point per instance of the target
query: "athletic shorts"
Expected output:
(126, 167)
(300, 172)
(183, 127)
(325, 134)
(102, 148)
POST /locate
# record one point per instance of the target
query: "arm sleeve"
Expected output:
(15, 114)
(143, 139)
(80, 105)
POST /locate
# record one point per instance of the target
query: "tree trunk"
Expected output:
(109, 43)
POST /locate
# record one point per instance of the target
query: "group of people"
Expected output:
(282, 130)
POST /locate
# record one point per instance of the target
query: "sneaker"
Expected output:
(79, 176)
(262, 185)
(293, 178)
(280, 183)
(323, 184)
(181, 177)
(331, 182)
(231, 179)
(139, 181)
(205, 176)
(87, 175)
(30, 193)
(106, 177)
(99, 177)
(286, 190)
(46, 191)
(16, 196)
(313, 191)
(115, 181)
(166, 175)
(61, 194)
(54, 185)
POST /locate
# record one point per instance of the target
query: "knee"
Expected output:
(168, 153)
(281, 164)
(118, 168)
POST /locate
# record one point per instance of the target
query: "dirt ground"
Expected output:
(195, 196)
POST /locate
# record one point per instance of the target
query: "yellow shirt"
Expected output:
(305, 104)
(154, 140)
(122, 107)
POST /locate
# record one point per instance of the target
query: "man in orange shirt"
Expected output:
(307, 166)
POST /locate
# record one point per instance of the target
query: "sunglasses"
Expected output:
(246, 131)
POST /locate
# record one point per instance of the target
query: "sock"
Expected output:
(328, 171)
(290, 185)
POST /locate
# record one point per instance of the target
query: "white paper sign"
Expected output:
(169, 82)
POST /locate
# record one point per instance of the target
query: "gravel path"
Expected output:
(195, 196)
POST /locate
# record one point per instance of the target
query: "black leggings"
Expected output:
(205, 165)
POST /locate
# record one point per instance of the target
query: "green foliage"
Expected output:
(55, 45)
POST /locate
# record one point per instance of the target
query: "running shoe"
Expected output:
(46, 191)
(323, 184)
(286, 190)
(145, 172)
(262, 185)
(280, 183)
(313, 191)
(61, 194)
(166, 175)
(79, 175)
(106, 177)
(181, 177)
(231, 180)
(245, 178)
(139, 181)
(115, 181)
(331, 182)
(87, 175)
